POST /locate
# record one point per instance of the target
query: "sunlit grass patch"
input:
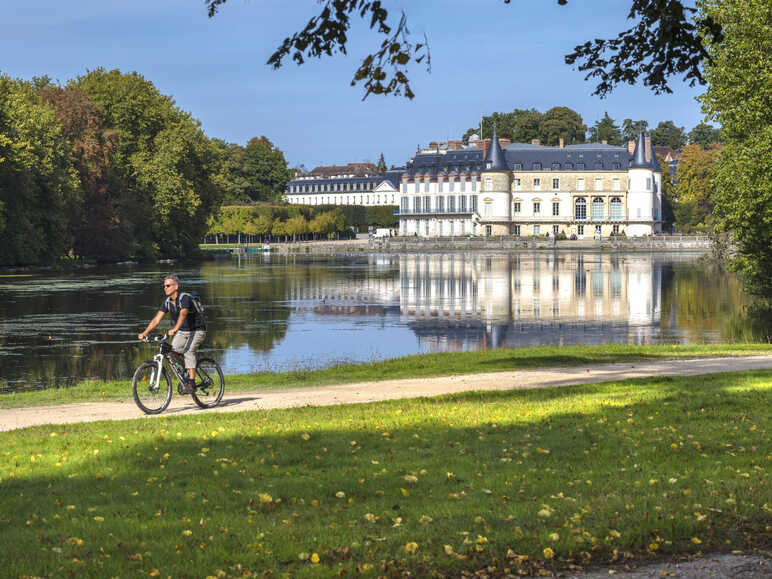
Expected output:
(518, 481)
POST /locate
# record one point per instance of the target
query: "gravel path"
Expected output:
(11, 419)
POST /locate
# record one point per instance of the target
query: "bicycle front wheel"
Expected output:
(152, 393)
(210, 383)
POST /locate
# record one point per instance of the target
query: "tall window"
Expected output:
(473, 201)
(516, 231)
(488, 209)
(598, 184)
(403, 205)
(555, 208)
(537, 183)
(488, 230)
(517, 184)
(648, 182)
(536, 207)
(580, 229)
(451, 204)
(616, 184)
(462, 203)
(488, 184)
(598, 207)
(474, 183)
(416, 204)
(555, 230)
(616, 208)
(580, 209)
(439, 184)
(536, 230)
(463, 184)
(517, 207)
(556, 183)
(427, 204)
(441, 204)
(426, 185)
(580, 184)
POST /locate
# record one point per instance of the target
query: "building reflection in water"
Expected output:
(467, 302)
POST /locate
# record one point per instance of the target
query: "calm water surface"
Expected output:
(283, 312)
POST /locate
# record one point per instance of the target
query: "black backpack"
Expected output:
(198, 307)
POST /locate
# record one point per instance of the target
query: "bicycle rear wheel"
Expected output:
(152, 393)
(210, 383)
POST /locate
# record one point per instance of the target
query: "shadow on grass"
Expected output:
(480, 473)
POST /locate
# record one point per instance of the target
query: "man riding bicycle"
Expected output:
(188, 330)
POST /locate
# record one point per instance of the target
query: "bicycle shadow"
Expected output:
(225, 402)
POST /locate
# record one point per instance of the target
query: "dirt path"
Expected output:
(11, 419)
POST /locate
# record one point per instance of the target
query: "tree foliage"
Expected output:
(664, 42)
(704, 135)
(525, 125)
(739, 98)
(694, 204)
(562, 122)
(667, 134)
(631, 129)
(265, 170)
(39, 188)
(606, 130)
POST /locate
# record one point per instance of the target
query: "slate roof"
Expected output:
(494, 158)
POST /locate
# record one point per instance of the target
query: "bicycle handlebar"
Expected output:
(156, 338)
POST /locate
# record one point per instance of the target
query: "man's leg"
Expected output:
(180, 345)
(195, 340)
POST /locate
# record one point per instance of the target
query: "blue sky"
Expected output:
(486, 56)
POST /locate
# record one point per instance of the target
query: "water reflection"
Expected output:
(282, 312)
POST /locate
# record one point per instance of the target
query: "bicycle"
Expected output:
(152, 384)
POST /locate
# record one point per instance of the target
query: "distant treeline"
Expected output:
(107, 168)
(257, 223)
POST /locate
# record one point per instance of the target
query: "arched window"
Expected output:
(598, 209)
(580, 208)
(616, 208)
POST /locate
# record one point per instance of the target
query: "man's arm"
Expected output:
(153, 323)
(180, 321)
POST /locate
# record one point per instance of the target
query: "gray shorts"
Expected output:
(186, 343)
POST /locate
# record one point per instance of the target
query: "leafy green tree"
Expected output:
(39, 187)
(296, 226)
(382, 163)
(606, 130)
(704, 135)
(676, 47)
(631, 129)
(668, 194)
(668, 135)
(265, 169)
(562, 122)
(168, 175)
(235, 183)
(739, 78)
(521, 126)
(694, 205)
(97, 225)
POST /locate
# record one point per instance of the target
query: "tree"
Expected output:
(631, 129)
(168, 175)
(562, 122)
(265, 170)
(295, 226)
(704, 135)
(668, 135)
(520, 126)
(606, 130)
(739, 86)
(382, 164)
(39, 187)
(668, 194)
(96, 225)
(235, 183)
(666, 41)
(694, 199)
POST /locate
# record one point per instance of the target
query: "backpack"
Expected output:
(198, 307)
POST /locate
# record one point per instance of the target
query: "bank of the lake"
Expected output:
(417, 366)
(546, 481)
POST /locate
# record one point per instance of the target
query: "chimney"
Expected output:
(648, 148)
(484, 143)
(432, 144)
(562, 143)
(535, 142)
(631, 147)
(504, 142)
(604, 142)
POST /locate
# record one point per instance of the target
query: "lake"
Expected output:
(272, 312)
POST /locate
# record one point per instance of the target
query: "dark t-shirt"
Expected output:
(192, 320)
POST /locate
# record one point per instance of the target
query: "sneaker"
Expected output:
(188, 386)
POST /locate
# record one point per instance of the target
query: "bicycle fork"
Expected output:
(155, 377)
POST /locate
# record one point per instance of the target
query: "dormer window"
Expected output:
(556, 166)
(537, 166)
(518, 167)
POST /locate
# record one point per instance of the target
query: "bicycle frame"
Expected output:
(159, 358)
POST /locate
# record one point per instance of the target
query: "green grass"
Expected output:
(596, 475)
(418, 366)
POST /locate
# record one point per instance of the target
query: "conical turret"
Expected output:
(494, 158)
(639, 156)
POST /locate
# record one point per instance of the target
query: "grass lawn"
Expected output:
(418, 366)
(520, 482)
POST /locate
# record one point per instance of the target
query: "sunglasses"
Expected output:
(168, 285)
